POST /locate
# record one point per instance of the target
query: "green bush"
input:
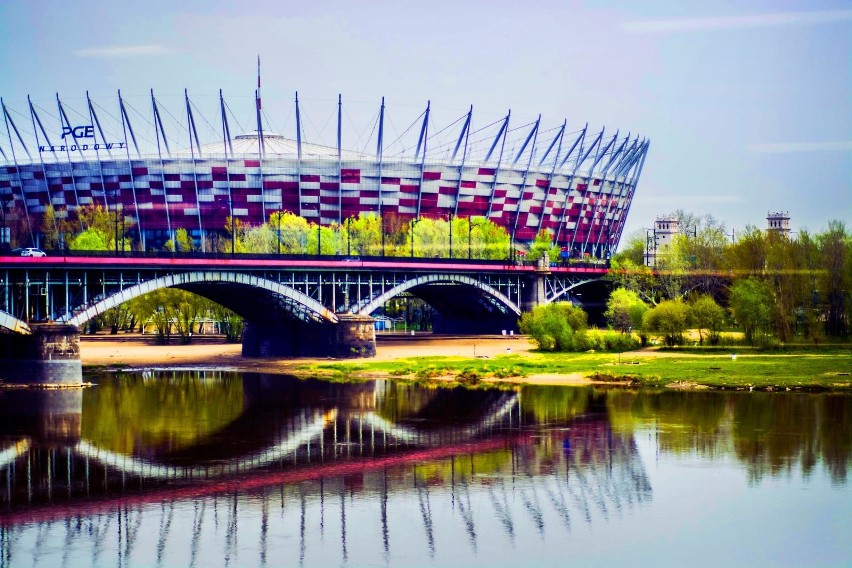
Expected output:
(612, 341)
(556, 327)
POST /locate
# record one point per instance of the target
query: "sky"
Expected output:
(747, 104)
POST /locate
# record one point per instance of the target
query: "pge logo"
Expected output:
(78, 131)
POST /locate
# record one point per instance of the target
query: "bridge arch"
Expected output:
(13, 324)
(180, 280)
(372, 305)
(558, 291)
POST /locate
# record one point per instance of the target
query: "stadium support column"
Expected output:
(552, 172)
(534, 136)
(261, 144)
(100, 164)
(8, 119)
(422, 142)
(229, 154)
(601, 197)
(638, 164)
(125, 126)
(504, 129)
(339, 159)
(379, 148)
(580, 161)
(615, 199)
(598, 156)
(578, 141)
(33, 117)
(299, 154)
(158, 130)
(50, 355)
(190, 127)
(465, 133)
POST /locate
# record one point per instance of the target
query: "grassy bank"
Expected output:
(802, 369)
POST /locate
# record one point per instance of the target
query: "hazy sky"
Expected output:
(748, 105)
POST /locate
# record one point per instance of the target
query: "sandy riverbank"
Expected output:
(135, 352)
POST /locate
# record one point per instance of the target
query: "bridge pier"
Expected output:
(354, 336)
(50, 356)
(535, 293)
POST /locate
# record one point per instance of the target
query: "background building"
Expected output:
(778, 222)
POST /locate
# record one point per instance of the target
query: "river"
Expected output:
(220, 468)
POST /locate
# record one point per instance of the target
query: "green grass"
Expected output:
(800, 369)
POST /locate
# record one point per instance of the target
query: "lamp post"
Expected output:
(279, 233)
(349, 236)
(382, 231)
(115, 205)
(648, 240)
(413, 224)
(451, 234)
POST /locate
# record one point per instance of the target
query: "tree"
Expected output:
(748, 254)
(638, 278)
(706, 314)
(751, 303)
(633, 249)
(90, 239)
(543, 243)
(556, 327)
(835, 247)
(101, 229)
(625, 310)
(49, 229)
(668, 318)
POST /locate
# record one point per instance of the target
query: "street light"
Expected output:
(413, 224)
(451, 215)
(349, 236)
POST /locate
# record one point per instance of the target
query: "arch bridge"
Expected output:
(297, 306)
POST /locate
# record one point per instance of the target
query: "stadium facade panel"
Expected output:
(581, 195)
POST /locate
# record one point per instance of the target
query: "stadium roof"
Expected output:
(274, 145)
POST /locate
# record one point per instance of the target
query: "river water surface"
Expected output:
(216, 468)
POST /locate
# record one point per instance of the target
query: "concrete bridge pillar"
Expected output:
(353, 336)
(535, 293)
(49, 356)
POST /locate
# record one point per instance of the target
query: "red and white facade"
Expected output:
(581, 196)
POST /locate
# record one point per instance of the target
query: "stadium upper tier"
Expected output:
(577, 185)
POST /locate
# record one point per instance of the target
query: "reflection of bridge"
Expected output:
(292, 306)
(402, 485)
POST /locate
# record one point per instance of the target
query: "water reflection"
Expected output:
(770, 433)
(194, 468)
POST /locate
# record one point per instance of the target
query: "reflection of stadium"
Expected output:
(578, 185)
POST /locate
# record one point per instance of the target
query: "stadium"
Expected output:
(153, 167)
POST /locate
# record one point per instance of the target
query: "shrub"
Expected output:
(556, 327)
(669, 319)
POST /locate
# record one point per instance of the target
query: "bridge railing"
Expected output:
(306, 257)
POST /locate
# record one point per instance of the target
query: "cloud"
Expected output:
(123, 51)
(793, 147)
(675, 25)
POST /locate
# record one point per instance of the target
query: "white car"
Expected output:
(33, 252)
